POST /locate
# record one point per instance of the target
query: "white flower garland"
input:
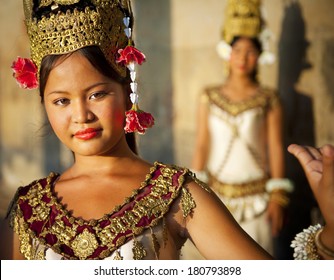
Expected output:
(304, 244)
(266, 57)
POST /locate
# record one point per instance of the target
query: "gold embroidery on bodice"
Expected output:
(37, 214)
(263, 98)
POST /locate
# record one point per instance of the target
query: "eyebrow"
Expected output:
(85, 90)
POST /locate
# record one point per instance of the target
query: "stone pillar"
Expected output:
(153, 36)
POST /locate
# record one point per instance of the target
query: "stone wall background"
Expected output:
(179, 39)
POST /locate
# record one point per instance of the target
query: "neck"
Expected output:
(109, 163)
(240, 81)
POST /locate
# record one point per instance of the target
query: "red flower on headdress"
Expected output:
(130, 54)
(138, 120)
(25, 73)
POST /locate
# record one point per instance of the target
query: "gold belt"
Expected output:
(237, 190)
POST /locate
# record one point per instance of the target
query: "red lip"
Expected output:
(87, 134)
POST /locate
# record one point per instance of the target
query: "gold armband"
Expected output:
(321, 246)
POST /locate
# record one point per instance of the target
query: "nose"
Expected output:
(243, 57)
(81, 113)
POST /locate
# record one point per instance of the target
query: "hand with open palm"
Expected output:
(318, 165)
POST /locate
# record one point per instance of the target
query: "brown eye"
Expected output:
(61, 101)
(97, 95)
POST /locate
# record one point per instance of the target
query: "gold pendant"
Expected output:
(138, 250)
(84, 244)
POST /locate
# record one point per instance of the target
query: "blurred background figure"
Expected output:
(239, 146)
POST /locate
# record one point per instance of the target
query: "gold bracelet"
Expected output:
(280, 198)
(321, 246)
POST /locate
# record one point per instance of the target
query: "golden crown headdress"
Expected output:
(242, 18)
(73, 24)
(58, 27)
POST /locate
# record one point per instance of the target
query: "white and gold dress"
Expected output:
(237, 166)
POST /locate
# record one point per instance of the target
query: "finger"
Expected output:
(316, 153)
(297, 149)
(328, 150)
(303, 154)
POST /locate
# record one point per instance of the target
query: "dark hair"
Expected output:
(97, 59)
(257, 44)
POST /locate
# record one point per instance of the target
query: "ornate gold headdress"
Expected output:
(58, 27)
(243, 18)
(70, 26)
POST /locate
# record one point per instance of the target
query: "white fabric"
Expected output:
(240, 165)
(238, 155)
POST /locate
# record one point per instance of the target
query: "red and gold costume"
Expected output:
(133, 230)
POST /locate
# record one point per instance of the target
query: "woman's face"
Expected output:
(86, 109)
(244, 57)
